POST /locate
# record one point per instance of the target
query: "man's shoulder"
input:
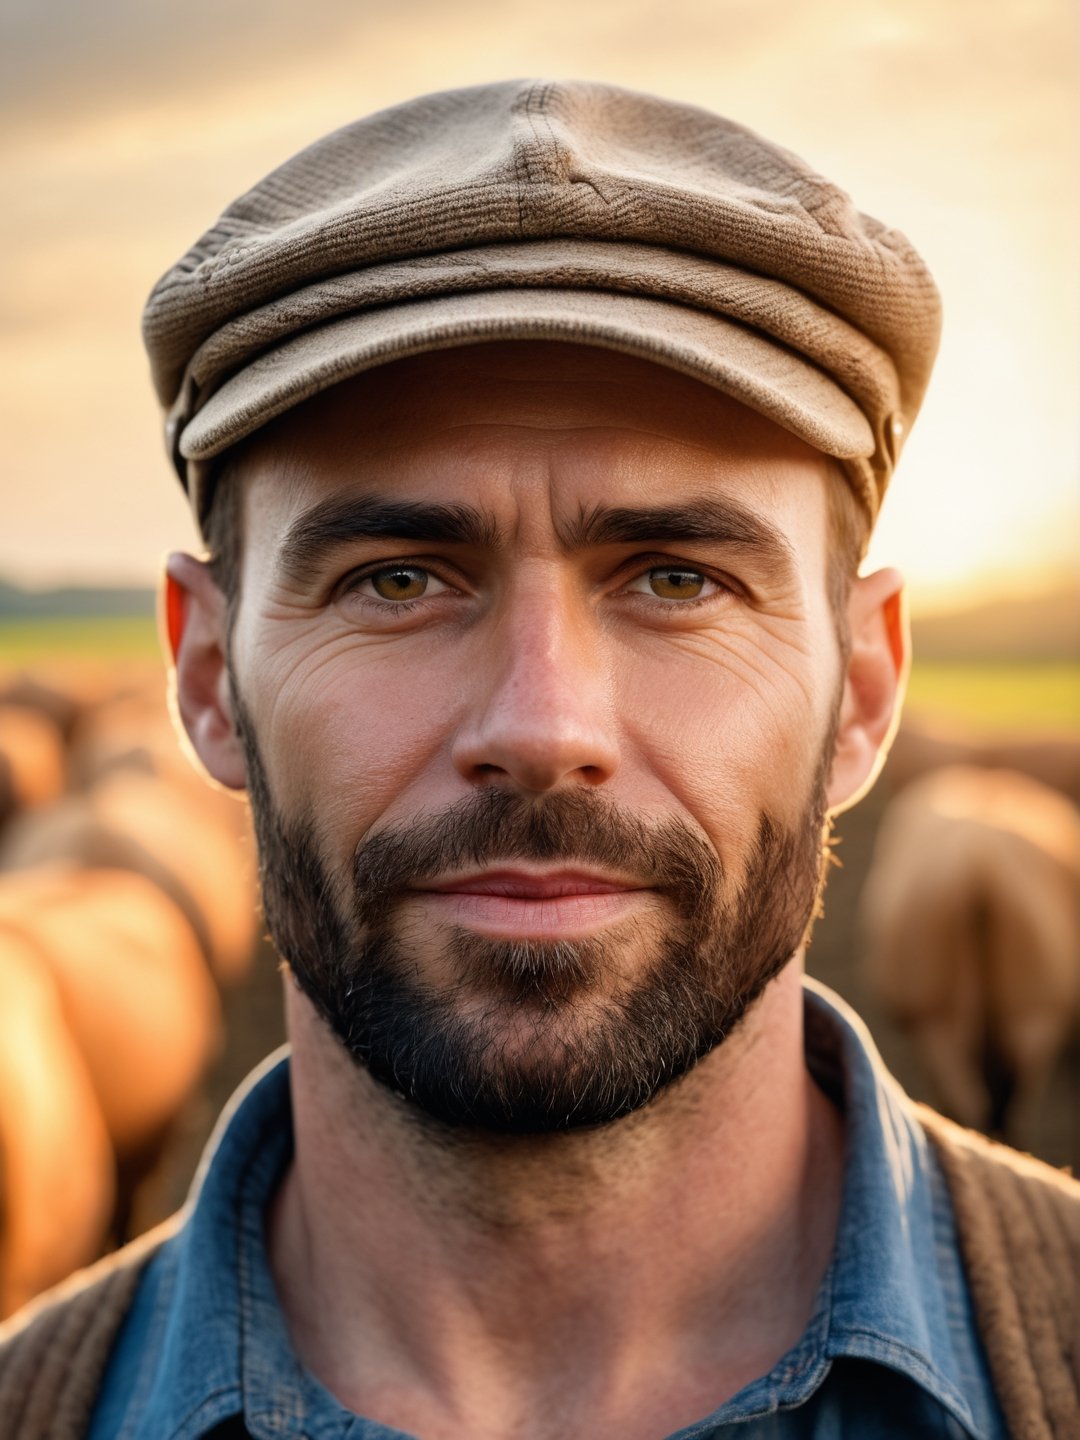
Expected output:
(53, 1353)
(1018, 1228)
(971, 1159)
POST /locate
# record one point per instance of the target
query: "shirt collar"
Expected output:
(216, 1321)
(898, 1294)
(223, 1339)
(895, 1292)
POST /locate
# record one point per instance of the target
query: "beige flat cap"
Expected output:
(548, 210)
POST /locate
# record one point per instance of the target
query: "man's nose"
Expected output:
(541, 711)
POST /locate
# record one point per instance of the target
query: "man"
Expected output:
(536, 432)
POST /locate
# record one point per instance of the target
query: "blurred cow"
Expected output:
(972, 914)
(126, 902)
(133, 987)
(57, 1172)
(53, 698)
(32, 756)
(171, 834)
(921, 747)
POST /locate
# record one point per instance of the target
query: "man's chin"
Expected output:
(542, 1062)
(526, 1090)
(528, 978)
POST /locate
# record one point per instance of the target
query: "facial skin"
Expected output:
(536, 691)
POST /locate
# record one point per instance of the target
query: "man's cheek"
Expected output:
(725, 743)
(350, 751)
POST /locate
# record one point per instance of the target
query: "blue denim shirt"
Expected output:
(890, 1350)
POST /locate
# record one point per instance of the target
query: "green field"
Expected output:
(998, 696)
(120, 637)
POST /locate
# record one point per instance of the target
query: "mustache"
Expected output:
(491, 827)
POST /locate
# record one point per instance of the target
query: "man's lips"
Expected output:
(523, 904)
(529, 885)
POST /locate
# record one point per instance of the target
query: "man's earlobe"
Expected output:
(196, 626)
(874, 682)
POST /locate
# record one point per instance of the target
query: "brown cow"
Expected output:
(33, 751)
(921, 747)
(172, 834)
(972, 912)
(57, 1177)
(133, 986)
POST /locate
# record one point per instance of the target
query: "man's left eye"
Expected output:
(674, 582)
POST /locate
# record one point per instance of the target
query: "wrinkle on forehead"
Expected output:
(547, 389)
(536, 451)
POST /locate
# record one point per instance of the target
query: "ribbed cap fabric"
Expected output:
(549, 210)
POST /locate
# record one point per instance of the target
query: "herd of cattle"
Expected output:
(127, 905)
(128, 908)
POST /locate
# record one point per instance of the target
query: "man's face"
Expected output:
(537, 679)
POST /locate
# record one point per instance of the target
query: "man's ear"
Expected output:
(874, 683)
(196, 627)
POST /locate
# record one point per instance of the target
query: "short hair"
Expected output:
(222, 525)
(847, 537)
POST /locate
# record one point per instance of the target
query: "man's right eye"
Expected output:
(398, 583)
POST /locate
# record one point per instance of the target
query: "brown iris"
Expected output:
(673, 583)
(401, 582)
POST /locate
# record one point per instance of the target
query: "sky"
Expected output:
(126, 127)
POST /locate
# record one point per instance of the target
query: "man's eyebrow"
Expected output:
(707, 517)
(340, 520)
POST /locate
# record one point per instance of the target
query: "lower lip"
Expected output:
(556, 917)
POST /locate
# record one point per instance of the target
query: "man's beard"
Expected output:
(589, 1043)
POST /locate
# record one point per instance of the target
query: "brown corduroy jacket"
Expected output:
(1019, 1227)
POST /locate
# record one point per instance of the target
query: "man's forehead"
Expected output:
(469, 422)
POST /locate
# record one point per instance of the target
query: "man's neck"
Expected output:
(622, 1281)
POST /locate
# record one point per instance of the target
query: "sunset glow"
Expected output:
(955, 123)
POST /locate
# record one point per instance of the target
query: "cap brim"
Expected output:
(743, 363)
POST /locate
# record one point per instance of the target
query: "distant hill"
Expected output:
(1034, 627)
(73, 601)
